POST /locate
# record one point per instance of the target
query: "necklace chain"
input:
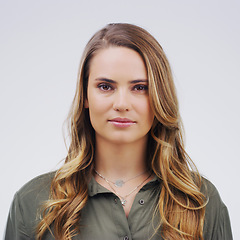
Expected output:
(123, 198)
(118, 182)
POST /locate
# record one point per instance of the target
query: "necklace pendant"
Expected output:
(119, 183)
(124, 201)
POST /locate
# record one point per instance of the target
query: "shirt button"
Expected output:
(125, 238)
(141, 201)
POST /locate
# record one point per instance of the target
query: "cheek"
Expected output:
(145, 110)
(97, 105)
(150, 117)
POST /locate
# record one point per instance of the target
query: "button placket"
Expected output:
(119, 219)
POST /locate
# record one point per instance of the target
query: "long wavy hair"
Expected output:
(181, 205)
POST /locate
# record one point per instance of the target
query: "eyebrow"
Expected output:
(132, 81)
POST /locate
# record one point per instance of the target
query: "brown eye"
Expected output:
(105, 87)
(141, 87)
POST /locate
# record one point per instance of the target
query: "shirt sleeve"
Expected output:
(15, 228)
(24, 214)
(224, 231)
(217, 222)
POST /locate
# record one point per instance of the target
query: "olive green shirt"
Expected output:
(104, 218)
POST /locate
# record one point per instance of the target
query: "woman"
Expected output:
(126, 175)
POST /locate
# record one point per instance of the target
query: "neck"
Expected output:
(120, 160)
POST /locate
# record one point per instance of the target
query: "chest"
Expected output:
(105, 218)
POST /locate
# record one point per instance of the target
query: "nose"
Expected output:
(121, 101)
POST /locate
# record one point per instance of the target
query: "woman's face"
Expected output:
(117, 96)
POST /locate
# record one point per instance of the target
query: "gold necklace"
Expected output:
(119, 182)
(123, 199)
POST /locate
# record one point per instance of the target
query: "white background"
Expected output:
(40, 47)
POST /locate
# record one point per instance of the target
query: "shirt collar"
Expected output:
(95, 188)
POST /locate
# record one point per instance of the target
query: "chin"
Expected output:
(120, 140)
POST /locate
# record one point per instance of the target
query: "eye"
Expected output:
(104, 87)
(140, 87)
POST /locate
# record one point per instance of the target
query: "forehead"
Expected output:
(117, 61)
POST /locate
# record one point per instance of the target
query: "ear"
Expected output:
(86, 105)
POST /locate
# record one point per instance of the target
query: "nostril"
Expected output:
(118, 109)
(121, 108)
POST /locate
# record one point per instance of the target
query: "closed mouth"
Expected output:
(122, 120)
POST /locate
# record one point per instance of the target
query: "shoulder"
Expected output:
(209, 189)
(214, 201)
(33, 194)
(217, 222)
(38, 185)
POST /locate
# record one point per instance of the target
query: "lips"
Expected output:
(122, 122)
